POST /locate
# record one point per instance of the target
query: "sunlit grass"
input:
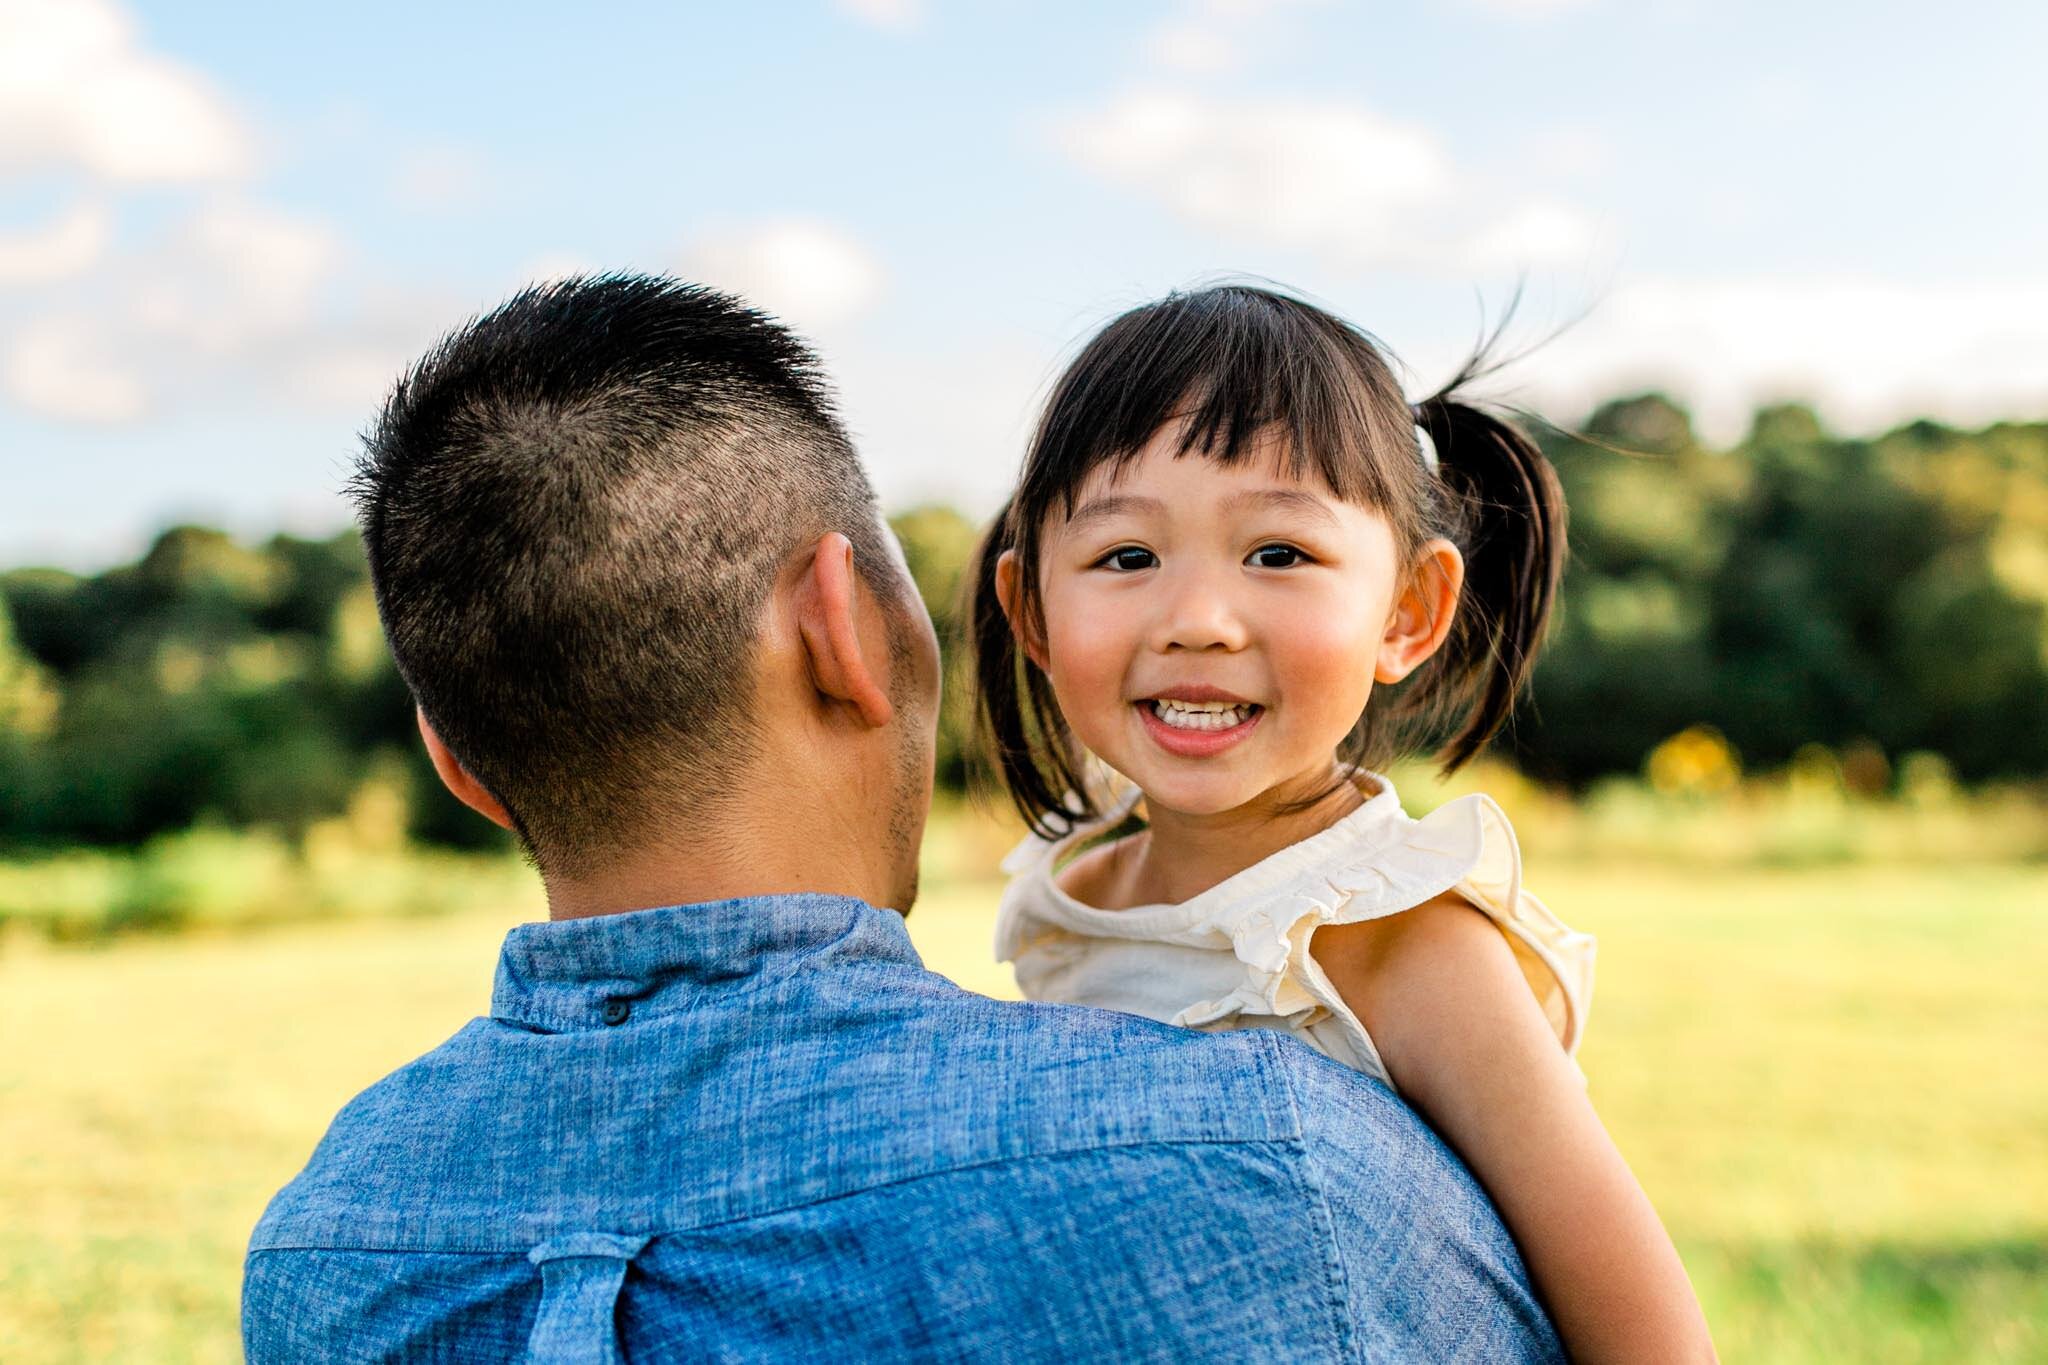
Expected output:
(1829, 1080)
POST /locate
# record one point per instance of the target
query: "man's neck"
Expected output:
(802, 846)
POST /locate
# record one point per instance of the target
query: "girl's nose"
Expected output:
(1197, 613)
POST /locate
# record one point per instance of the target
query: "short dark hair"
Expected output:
(1233, 363)
(574, 509)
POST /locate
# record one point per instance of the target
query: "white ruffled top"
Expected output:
(1237, 955)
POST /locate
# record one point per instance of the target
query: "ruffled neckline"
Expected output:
(1379, 821)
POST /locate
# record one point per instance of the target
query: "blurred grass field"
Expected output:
(1828, 1077)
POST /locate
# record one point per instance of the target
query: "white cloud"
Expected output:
(235, 275)
(64, 366)
(809, 274)
(77, 92)
(1869, 352)
(243, 299)
(1534, 231)
(235, 297)
(228, 293)
(887, 14)
(1329, 176)
(57, 251)
(1210, 36)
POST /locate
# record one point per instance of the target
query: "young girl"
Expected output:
(1231, 528)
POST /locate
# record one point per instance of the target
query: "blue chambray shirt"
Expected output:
(759, 1129)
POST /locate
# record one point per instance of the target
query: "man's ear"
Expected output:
(1421, 618)
(457, 778)
(1009, 592)
(828, 619)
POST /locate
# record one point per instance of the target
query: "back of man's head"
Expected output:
(574, 509)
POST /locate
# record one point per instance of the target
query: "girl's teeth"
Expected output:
(1201, 715)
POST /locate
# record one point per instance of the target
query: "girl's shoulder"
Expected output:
(1465, 854)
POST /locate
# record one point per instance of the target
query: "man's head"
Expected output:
(577, 510)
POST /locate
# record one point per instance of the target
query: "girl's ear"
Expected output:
(1421, 618)
(1009, 592)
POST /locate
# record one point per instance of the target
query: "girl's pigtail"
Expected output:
(1509, 509)
(1017, 716)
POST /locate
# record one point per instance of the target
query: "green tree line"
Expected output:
(1887, 594)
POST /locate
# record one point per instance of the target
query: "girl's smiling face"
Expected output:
(1265, 604)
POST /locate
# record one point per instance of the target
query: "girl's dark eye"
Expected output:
(1128, 559)
(1291, 556)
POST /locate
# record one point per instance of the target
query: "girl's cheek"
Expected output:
(1329, 661)
(1091, 667)
(1084, 658)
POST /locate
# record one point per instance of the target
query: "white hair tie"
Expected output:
(1428, 448)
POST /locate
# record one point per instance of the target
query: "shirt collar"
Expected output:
(603, 969)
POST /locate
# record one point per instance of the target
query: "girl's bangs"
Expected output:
(1232, 367)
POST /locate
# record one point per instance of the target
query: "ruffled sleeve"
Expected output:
(1473, 833)
(1466, 846)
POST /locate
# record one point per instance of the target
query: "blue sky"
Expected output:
(224, 227)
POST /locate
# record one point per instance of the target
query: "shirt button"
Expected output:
(617, 1011)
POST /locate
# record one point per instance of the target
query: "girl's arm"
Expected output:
(1438, 989)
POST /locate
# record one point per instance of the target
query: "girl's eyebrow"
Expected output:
(1111, 505)
(1284, 500)
(1277, 499)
